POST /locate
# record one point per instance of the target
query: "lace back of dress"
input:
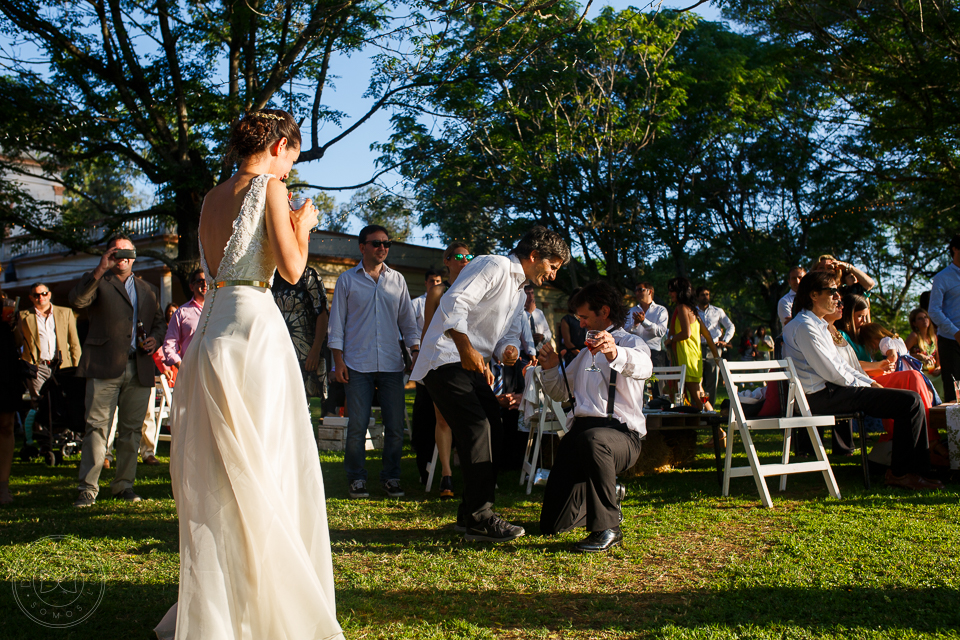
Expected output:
(247, 256)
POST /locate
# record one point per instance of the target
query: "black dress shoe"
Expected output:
(621, 494)
(599, 541)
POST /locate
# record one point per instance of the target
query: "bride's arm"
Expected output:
(288, 232)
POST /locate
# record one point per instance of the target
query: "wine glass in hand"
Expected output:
(590, 341)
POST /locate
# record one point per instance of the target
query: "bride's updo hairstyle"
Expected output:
(260, 129)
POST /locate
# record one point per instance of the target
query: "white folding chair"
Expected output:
(671, 374)
(735, 373)
(163, 409)
(548, 418)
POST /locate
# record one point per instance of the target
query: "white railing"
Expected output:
(141, 227)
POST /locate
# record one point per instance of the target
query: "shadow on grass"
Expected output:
(814, 609)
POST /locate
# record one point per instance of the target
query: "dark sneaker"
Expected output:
(494, 529)
(128, 495)
(86, 499)
(446, 487)
(621, 494)
(460, 526)
(358, 489)
(393, 489)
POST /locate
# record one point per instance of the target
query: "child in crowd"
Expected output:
(894, 349)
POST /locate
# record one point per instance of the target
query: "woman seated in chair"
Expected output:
(832, 386)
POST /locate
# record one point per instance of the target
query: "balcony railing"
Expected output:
(19, 246)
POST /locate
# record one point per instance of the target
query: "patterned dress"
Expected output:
(300, 304)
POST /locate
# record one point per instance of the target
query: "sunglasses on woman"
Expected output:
(461, 256)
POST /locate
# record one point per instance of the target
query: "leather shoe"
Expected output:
(151, 460)
(910, 481)
(599, 541)
(621, 494)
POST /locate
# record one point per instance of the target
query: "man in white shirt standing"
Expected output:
(832, 386)
(537, 329)
(648, 321)
(430, 279)
(944, 311)
(604, 439)
(785, 306)
(370, 313)
(721, 329)
(481, 316)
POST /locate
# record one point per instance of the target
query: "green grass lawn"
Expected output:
(874, 564)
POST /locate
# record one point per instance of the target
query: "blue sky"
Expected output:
(352, 162)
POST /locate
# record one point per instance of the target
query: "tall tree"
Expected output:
(157, 84)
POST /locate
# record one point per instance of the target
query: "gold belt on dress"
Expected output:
(239, 283)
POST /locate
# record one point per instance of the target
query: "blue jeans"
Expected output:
(359, 400)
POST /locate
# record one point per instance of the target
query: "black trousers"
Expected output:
(467, 403)
(949, 366)
(581, 488)
(424, 425)
(911, 451)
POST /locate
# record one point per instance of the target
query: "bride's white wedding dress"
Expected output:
(254, 545)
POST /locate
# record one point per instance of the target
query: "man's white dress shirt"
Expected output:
(944, 307)
(47, 335)
(367, 317)
(807, 340)
(653, 327)
(419, 308)
(486, 304)
(785, 307)
(718, 325)
(633, 367)
(539, 325)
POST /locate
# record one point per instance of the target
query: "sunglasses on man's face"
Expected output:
(386, 244)
(200, 283)
(832, 290)
(41, 294)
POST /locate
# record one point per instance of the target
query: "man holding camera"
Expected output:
(608, 422)
(117, 364)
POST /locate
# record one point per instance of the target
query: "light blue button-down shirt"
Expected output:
(944, 307)
(366, 318)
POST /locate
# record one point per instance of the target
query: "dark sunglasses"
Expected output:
(461, 256)
(386, 244)
(833, 290)
(642, 289)
(42, 294)
(202, 283)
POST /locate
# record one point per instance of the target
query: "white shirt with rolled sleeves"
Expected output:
(653, 327)
(718, 325)
(367, 317)
(807, 340)
(486, 304)
(785, 307)
(633, 367)
(527, 342)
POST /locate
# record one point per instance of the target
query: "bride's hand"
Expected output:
(306, 217)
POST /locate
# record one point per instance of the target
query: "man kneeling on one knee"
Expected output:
(607, 423)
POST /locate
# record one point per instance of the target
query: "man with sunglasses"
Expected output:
(48, 335)
(183, 323)
(481, 316)
(832, 386)
(370, 315)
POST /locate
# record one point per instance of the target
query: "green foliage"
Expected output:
(373, 205)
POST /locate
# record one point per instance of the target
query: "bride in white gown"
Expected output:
(254, 545)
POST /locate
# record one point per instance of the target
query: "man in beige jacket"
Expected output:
(118, 367)
(47, 330)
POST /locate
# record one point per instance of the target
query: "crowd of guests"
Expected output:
(361, 344)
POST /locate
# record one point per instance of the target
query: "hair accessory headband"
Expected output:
(270, 116)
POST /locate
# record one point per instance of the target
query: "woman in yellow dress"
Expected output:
(684, 341)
